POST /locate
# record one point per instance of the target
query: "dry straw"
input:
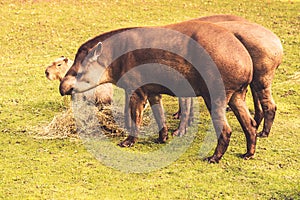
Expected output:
(63, 125)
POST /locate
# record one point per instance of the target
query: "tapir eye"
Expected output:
(79, 75)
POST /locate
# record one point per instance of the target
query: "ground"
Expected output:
(33, 33)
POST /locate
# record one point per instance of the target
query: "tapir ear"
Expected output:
(98, 49)
(96, 52)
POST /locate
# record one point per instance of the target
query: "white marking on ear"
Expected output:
(93, 54)
(97, 50)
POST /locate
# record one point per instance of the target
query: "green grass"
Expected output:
(33, 33)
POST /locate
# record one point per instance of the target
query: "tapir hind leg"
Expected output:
(221, 127)
(177, 115)
(261, 85)
(258, 112)
(185, 108)
(269, 109)
(238, 105)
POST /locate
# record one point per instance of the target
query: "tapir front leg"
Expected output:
(185, 108)
(136, 107)
(158, 112)
(127, 116)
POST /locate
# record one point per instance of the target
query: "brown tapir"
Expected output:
(207, 57)
(221, 18)
(266, 52)
(103, 95)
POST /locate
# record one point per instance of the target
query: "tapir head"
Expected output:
(85, 75)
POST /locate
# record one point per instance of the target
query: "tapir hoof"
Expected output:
(190, 121)
(162, 139)
(176, 115)
(178, 133)
(128, 142)
(263, 134)
(213, 159)
(228, 109)
(248, 156)
(163, 136)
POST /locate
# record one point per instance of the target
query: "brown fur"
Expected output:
(221, 18)
(57, 70)
(229, 55)
(266, 52)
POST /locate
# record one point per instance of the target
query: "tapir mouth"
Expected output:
(64, 92)
(66, 86)
(81, 87)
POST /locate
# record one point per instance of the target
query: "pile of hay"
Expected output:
(64, 125)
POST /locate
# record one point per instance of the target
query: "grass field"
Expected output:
(33, 33)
